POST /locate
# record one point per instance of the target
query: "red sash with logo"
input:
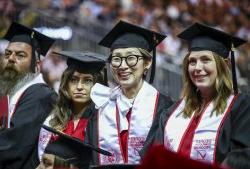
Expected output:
(195, 137)
(125, 144)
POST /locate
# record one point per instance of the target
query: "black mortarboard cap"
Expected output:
(38, 41)
(203, 37)
(20, 33)
(125, 35)
(72, 149)
(86, 61)
(115, 166)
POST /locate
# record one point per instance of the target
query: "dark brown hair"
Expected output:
(62, 110)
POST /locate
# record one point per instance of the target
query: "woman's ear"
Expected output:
(148, 63)
(228, 62)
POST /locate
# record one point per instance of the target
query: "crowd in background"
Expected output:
(165, 16)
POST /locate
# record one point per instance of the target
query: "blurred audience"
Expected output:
(52, 68)
(164, 16)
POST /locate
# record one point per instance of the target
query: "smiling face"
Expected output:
(129, 76)
(79, 87)
(202, 70)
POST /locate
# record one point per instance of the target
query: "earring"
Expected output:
(145, 72)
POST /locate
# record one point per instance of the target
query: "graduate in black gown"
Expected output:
(127, 111)
(212, 118)
(74, 106)
(29, 98)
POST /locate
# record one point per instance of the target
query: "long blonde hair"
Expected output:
(223, 88)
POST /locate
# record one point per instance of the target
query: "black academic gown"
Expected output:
(91, 134)
(89, 111)
(18, 144)
(234, 132)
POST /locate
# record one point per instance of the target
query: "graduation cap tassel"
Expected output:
(105, 72)
(234, 76)
(33, 57)
(152, 75)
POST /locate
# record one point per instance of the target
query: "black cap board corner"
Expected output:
(72, 149)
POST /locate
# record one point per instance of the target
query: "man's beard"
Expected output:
(11, 79)
(9, 72)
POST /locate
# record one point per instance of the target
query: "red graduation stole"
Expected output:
(4, 112)
(124, 138)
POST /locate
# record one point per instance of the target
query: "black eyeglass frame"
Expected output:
(126, 60)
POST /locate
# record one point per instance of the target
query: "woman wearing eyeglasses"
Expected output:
(126, 112)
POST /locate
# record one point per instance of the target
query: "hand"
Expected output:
(47, 162)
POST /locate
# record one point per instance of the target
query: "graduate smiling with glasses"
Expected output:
(126, 112)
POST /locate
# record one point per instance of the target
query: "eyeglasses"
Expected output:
(131, 60)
